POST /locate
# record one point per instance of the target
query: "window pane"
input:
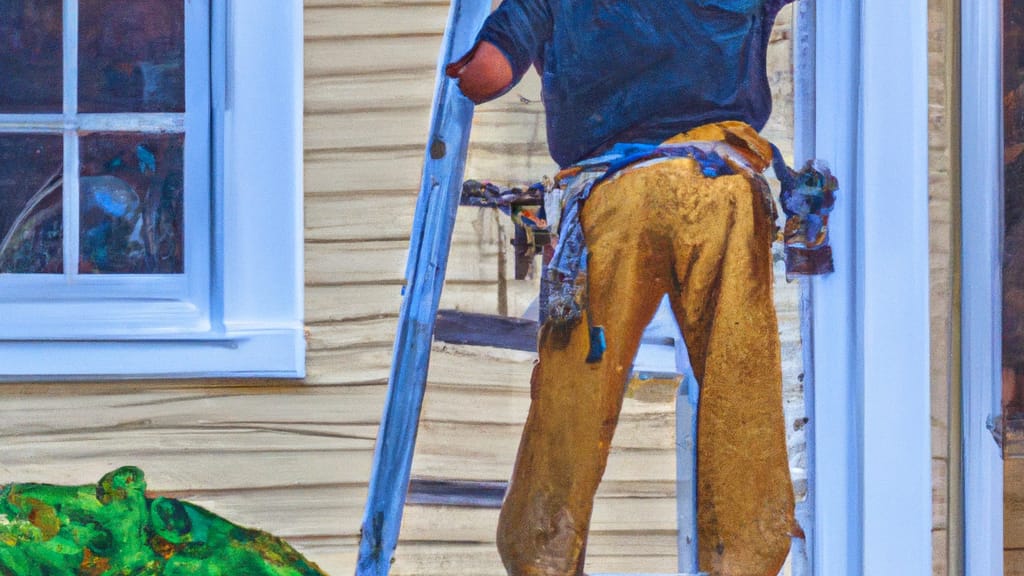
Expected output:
(31, 75)
(1013, 256)
(1012, 433)
(132, 204)
(131, 56)
(31, 204)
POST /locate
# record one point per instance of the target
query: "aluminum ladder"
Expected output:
(430, 241)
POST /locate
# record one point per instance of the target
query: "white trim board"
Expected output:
(245, 316)
(982, 169)
(836, 546)
(870, 320)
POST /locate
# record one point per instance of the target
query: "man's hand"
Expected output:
(483, 74)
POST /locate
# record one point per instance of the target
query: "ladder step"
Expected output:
(472, 329)
(462, 493)
(649, 574)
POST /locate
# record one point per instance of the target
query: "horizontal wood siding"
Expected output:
(1013, 516)
(294, 458)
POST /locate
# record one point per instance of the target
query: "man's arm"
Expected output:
(512, 38)
(484, 73)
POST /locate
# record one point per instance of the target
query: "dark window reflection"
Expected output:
(31, 214)
(31, 45)
(1013, 248)
(132, 213)
(131, 56)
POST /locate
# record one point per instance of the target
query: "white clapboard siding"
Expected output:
(360, 365)
(377, 216)
(379, 260)
(1013, 536)
(366, 171)
(332, 305)
(436, 558)
(373, 93)
(290, 459)
(508, 142)
(372, 55)
(475, 406)
(356, 130)
(365, 20)
(294, 457)
(383, 215)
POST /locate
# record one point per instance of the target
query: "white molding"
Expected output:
(157, 122)
(258, 353)
(262, 260)
(197, 157)
(835, 324)
(31, 123)
(244, 319)
(982, 166)
(893, 219)
(870, 318)
(70, 57)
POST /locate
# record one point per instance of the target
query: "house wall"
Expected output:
(369, 79)
(294, 457)
(943, 151)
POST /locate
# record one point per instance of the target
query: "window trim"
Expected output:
(981, 282)
(71, 305)
(254, 324)
(872, 433)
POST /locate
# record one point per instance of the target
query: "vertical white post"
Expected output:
(835, 324)
(982, 160)
(894, 219)
(870, 318)
(69, 190)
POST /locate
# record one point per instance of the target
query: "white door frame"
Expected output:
(870, 320)
(982, 166)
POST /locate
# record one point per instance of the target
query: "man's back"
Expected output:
(638, 71)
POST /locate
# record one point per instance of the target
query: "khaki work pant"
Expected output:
(652, 230)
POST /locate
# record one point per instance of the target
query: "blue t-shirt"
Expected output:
(638, 70)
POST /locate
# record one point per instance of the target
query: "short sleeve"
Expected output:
(520, 29)
(772, 7)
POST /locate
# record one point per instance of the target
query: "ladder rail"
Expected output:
(430, 241)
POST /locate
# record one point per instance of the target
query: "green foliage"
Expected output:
(112, 529)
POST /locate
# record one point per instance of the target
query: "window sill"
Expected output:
(265, 352)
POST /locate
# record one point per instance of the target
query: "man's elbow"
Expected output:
(484, 75)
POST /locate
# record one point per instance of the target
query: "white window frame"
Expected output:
(869, 320)
(245, 317)
(72, 305)
(981, 213)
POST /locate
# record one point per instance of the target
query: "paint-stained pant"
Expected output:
(663, 228)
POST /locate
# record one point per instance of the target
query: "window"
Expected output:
(105, 176)
(150, 196)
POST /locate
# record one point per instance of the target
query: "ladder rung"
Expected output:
(649, 574)
(475, 329)
(463, 493)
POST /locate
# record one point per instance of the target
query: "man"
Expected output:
(652, 108)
